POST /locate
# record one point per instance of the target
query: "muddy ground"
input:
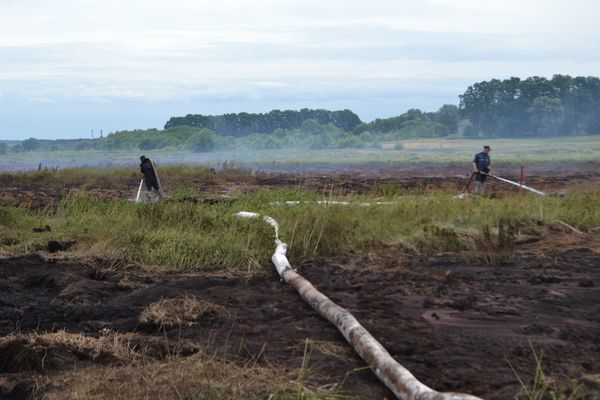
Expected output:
(457, 321)
(378, 179)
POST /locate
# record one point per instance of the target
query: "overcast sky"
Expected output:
(70, 66)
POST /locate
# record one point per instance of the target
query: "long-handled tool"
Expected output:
(137, 198)
(466, 188)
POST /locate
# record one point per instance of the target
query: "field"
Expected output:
(496, 296)
(566, 150)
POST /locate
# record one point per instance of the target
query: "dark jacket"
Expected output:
(482, 161)
(147, 169)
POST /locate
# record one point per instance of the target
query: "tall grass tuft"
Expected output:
(543, 387)
(181, 234)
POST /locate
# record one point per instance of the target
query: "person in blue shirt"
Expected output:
(481, 167)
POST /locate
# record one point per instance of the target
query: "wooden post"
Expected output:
(397, 378)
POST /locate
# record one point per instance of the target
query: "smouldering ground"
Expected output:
(460, 309)
(457, 321)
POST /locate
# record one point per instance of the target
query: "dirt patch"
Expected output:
(54, 246)
(456, 322)
(373, 178)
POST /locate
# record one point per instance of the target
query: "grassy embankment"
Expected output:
(184, 234)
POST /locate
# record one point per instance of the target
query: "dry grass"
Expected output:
(501, 244)
(334, 349)
(196, 377)
(59, 350)
(128, 366)
(179, 311)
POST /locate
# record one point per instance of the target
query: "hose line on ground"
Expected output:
(397, 378)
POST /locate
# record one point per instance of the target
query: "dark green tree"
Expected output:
(535, 106)
(449, 116)
(244, 124)
(201, 141)
(30, 144)
(546, 116)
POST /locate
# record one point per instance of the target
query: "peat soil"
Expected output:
(377, 179)
(457, 321)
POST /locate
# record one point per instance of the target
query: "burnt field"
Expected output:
(470, 319)
(378, 179)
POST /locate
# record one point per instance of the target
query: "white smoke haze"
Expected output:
(428, 157)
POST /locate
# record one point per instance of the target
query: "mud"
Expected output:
(457, 321)
(377, 179)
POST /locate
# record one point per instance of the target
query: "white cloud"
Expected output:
(296, 51)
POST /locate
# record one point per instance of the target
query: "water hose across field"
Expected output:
(397, 378)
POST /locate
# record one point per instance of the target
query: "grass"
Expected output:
(183, 235)
(195, 377)
(543, 387)
(442, 150)
(135, 366)
(100, 177)
(179, 311)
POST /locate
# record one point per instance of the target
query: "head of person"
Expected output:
(487, 149)
(142, 158)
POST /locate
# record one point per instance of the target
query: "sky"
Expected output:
(70, 68)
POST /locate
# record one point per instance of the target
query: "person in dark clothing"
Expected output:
(150, 177)
(481, 167)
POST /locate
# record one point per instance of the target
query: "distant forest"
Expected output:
(243, 124)
(534, 107)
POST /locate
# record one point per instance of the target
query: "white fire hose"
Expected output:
(518, 184)
(397, 378)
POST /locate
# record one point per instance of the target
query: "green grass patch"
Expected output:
(180, 234)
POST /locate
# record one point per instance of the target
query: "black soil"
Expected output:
(455, 321)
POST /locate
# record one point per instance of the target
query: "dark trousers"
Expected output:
(150, 182)
(480, 177)
(479, 184)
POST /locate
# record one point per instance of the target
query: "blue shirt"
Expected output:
(482, 161)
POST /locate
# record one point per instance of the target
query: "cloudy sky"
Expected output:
(70, 66)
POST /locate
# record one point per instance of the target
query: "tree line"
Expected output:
(533, 107)
(330, 130)
(243, 124)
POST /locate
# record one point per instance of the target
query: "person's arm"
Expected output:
(475, 169)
